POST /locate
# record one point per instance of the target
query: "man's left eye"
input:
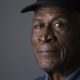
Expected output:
(58, 26)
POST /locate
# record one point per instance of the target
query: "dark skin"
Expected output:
(56, 40)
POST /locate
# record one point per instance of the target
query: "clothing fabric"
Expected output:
(73, 76)
(44, 77)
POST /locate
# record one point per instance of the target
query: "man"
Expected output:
(56, 38)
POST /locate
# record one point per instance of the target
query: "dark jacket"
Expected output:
(74, 76)
(41, 78)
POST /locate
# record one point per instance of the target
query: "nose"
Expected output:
(47, 36)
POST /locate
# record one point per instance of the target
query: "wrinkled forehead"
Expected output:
(50, 9)
(55, 11)
(49, 6)
(48, 12)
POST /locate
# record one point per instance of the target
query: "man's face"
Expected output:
(53, 37)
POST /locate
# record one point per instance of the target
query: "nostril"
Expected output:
(51, 38)
(48, 38)
(39, 38)
(42, 38)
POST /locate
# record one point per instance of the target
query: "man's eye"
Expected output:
(58, 26)
(36, 26)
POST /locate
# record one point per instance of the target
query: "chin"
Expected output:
(50, 66)
(51, 61)
(48, 69)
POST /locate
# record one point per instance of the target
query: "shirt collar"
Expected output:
(46, 78)
(72, 76)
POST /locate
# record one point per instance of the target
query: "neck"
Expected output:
(66, 69)
(61, 74)
(56, 76)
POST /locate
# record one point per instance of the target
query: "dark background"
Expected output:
(17, 61)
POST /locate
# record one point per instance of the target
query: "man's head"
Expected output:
(55, 35)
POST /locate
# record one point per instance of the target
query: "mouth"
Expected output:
(41, 51)
(48, 52)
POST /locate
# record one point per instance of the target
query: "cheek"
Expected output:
(63, 39)
(34, 39)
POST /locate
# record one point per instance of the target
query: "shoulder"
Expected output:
(41, 78)
(78, 77)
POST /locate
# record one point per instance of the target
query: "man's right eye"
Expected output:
(36, 26)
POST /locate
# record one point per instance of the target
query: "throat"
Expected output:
(56, 76)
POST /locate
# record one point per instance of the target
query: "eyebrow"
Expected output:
(37, 18)
(53, 18)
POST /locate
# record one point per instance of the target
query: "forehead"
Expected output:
(50, 9)
(48, 13)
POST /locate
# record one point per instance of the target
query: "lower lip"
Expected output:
(47, 52)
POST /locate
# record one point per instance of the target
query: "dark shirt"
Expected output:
(73, 76)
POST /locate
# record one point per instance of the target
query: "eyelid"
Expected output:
(59, 21)
(59, 18)
(36, 25)
(59, 24)
(36, 20)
